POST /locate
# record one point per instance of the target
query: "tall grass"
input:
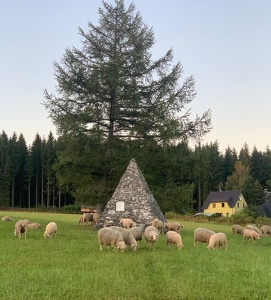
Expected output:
(71, 266)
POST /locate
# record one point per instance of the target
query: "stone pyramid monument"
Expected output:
(131, 199)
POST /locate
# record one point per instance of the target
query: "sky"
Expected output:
(225, 45)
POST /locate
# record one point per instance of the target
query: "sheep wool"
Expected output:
(6, 219)
(265, 230)
(237, 229)
(218, 239)
(202, 235)
(158, 224)
(151, 235)
(34, 225)
(50, 230)
(21, 227)
(253, 227)
(127, 237)
(173, 237)
(173, 226)
(250, 235)
(137, 232)
(126, 223)
(111, 237)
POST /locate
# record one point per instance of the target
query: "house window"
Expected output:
(222, 204)
(243, 205)
(214, 205)
(238, 204)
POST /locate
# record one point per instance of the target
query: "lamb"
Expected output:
(250, 235)
(34, 225)
(158, 224)
(174, 238)
(137, 232)
(237, 229)
(111, 237)
(21, 228)
(266, 230)
(127, 237)
(173, 226)
(151, 235)
(218, 239)
(50, 230)
(7, 219)
(252, 227)
(87, 218)
(202, 235)
(126, 223)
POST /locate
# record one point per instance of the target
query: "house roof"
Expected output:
(231, 197)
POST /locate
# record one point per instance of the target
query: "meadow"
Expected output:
(71, 266)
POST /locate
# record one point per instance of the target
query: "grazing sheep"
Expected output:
(151, 235)
(111, 237)
(96, 216)
(127, 236)
(174, 238)
(202, 235)
(87, 218)
(237, 229)
(34, 225)
(6, 218)
(250, 235)
(21, 228)
(218, 239)
(158, 224)
(80, 220)
(173, 226)
(252, 227)
(266, 230)
(50, 230)
(137, 232)
(126, 223)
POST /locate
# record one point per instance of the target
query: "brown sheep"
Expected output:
(173, 226)
(126, 223)
(158, 224)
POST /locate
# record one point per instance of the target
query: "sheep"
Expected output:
(21, 228)
(34, 225)
(87, 218)
(250, 235)
(202, 235)
(174, 238)
(252, 227)
(96, 216)
(50, 230)
(80, 220)
(158, 224)
(126, 223)
(6, 218)
(173, 226)
(237, 229)
(137, 232)
(111, 237)
(266, 230)
(218, 239)
(151, 235)
(127, 237)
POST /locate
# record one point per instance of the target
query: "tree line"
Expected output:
(50, 173)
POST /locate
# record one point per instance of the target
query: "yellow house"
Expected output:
(225, 203)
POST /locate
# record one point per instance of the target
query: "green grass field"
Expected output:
(70, 266)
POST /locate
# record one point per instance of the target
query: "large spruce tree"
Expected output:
(111, 87)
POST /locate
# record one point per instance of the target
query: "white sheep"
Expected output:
(126, 223)
(253, 227)
(96, 216)
(266, 230)
(151, 235)
(34, 225)
(87, 218)
(50, 230)
(237, 229)
(173, 226)
(110, 237)
(251, 235)
(202, 235)
(173, 237)
(137, 232)
(218, 239)
(127, 236)
(21, 227)
(158, 224)
(6, 219)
